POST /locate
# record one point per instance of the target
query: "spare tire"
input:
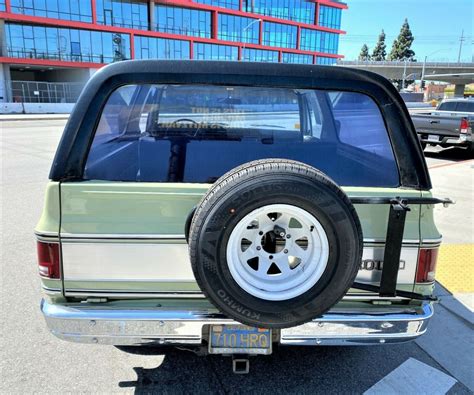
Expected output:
(275, 243)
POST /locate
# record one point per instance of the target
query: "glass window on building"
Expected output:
(71, 10)
(123, 13)
(330, 17)
(329, 42)
(40, 42)
(323, 60)
(310, 40)
(259, 55)
(295, 10)
(184, 21)
(2, 5)
(297, 58)
(161, 48)
(230, 4)
(315, 40)
(237, 28)
(204, 51)
(279, 35)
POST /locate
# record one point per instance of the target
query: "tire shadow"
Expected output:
(453, 154)
(287, 370)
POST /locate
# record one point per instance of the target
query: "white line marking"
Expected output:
(413, 377)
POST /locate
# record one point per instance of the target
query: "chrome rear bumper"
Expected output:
(180, 327)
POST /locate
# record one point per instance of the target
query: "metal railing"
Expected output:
(45, 92)
(401, 63)
(64, 56)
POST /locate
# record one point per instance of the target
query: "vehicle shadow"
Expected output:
(452, 153)
(287, 370)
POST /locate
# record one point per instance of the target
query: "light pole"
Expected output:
(424, 64)
(245, 29)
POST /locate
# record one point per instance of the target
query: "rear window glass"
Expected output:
(448, 106)
(196, 133)
(465, 106)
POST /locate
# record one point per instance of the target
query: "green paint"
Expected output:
(100, 207)
(49, 221)
(162, 208)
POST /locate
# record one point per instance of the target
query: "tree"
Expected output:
(380, 52)
(364, 53)
(401, 49)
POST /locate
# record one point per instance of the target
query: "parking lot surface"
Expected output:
(32, 360)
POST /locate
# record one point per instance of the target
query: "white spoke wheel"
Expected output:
(275, 243)
(277, 252)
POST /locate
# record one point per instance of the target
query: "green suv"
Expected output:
(232, 206)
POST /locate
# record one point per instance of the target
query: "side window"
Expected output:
(315, 115)
(448, 106)
(360, 123)
(113, 119)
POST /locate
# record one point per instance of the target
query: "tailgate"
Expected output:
(127, 239)
(436, 124)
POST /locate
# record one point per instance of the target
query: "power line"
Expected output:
(461, 40)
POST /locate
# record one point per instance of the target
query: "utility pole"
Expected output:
(404, 74)
(461, 40)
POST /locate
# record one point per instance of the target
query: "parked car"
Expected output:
(449, 125)
(232, 206)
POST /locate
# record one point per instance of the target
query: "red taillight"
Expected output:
(426, 265)
(48, 259)
(464, 127)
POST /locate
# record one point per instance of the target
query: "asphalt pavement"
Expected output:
(32, 360)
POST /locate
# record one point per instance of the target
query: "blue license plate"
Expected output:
(239, 339)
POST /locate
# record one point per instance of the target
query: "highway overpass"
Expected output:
(455, 73)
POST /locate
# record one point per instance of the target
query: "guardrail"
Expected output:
(402, 63)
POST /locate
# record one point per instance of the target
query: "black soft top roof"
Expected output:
(73, 148)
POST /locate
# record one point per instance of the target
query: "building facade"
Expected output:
(50, 47)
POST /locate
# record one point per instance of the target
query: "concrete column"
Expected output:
(5, 84)
(151, 15)
(459, 90)
(2, 85)
(3, 39)
(5, 80)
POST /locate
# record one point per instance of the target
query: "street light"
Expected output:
(424, 64)
(245, 29)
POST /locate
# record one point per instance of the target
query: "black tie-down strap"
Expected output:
(393, 244)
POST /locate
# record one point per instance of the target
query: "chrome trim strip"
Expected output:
(47, 239)
(132, 237)
(118, 236)
(46, 234)
(135, 295)
(118, 294)
(407, 242)
(88, 324)
(52, 291)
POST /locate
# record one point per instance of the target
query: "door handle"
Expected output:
(434, 122)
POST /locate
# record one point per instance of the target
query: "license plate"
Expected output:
(433, 137)
(239, 339)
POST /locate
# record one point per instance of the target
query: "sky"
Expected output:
(436, 25)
